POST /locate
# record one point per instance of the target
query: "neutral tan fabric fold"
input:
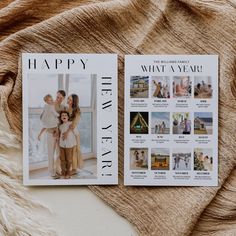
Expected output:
(136, 27)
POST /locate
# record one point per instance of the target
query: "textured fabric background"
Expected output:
(132, 27)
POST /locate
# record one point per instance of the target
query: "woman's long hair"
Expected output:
(75, 106)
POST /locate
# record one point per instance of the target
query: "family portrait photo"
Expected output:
(203, 159)
(182, 87)
(62, 126)
(160, 122)
(160, 86)
(181, 159)
(202, 87)
(160, 159)
(138, 158)
(203, 123)
(181, 123)
(139, 86)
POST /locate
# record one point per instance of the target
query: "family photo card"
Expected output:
(171, 120)
(69, 119)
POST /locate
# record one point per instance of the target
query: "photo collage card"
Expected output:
(171, 120)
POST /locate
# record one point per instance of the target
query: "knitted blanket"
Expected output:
(122, 27)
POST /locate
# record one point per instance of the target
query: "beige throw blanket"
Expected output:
(124, 27)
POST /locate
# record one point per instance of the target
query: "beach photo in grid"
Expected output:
(160, 122)
(160, 159)
(203, 123)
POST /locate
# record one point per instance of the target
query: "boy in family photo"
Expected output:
(66, 144)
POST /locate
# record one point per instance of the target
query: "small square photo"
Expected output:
(181, 159)
(203, 160)
(138, 158)
(203, 122)
(160, 122)
(160, 86)
(160, 159)
(139, 123)
(181, 123)
(182, 87)
(139, 86)
(202, 87)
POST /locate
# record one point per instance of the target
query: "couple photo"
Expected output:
(62, 127)
(181, 159)
(138, 158)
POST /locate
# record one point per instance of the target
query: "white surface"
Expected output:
(78, 211)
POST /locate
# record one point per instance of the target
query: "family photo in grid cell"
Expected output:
(160, 122)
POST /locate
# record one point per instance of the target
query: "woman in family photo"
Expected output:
(75, 113)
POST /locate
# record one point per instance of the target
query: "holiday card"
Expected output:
(171, 120)
(69, 119)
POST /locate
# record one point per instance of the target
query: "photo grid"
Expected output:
(159, 158)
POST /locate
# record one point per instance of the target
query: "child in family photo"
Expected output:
(49, 116)
(66, 144)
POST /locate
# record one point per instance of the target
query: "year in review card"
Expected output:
(171, 120)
